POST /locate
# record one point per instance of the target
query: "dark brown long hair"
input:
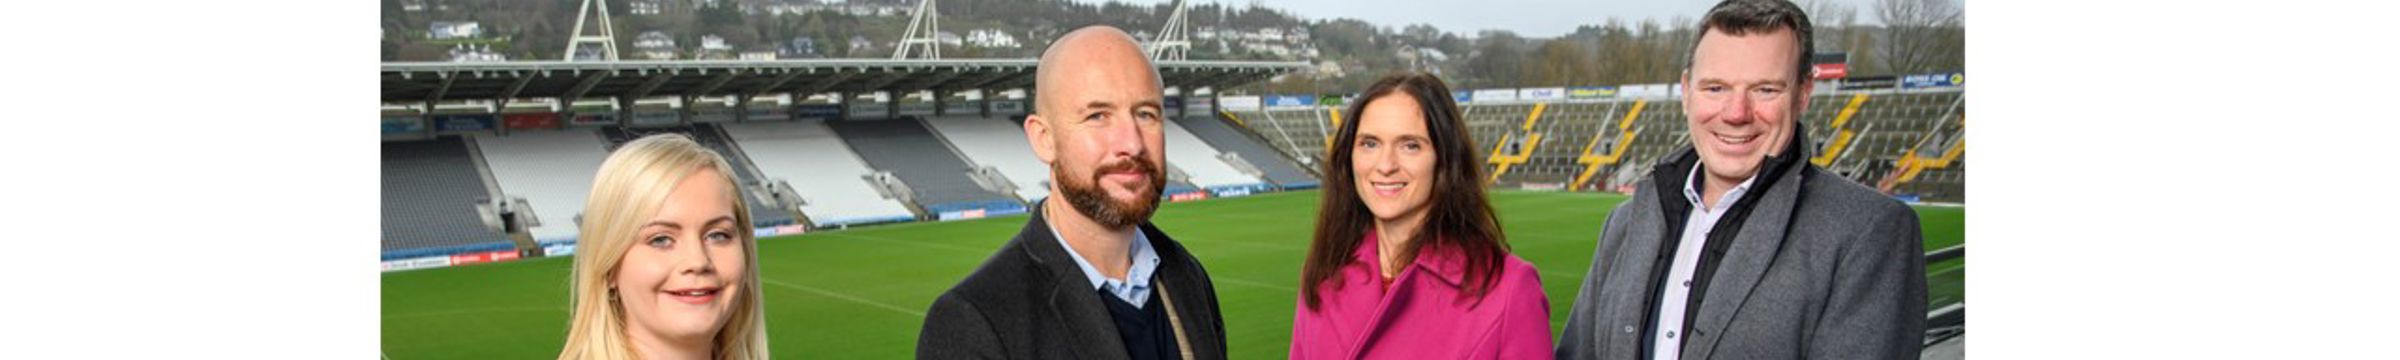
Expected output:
(1459, 215)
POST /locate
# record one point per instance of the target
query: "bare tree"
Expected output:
(1836, 25)
(1921, 35)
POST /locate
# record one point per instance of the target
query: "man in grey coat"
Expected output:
(1739, 247)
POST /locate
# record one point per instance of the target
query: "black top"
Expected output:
(1144, 330)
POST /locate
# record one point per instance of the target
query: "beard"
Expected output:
(1087, 197)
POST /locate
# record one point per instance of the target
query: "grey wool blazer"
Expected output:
(1029, 301)
(1822, 268)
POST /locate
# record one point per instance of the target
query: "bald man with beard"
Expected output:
(1088, 277)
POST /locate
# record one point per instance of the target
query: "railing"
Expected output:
(1948, 321)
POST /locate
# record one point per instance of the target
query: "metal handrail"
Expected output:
(1949, 321)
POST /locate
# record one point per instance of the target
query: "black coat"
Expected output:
(1030, 301)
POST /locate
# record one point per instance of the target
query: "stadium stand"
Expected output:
(1510, 132)
(1278, 168)
(998, 143)
(1897, 139)
(762, 213)
(1300, 133)
(1933, 167)
(829, 178)
(1605, 144)
(938, 178)
(1179, 183)
(1204, 165)
(430, 192)
(551, 169)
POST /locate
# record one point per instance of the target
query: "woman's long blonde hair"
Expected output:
(631, 186)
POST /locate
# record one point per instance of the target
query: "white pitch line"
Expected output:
(836, 295)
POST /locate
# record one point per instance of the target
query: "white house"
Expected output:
(860, 44)
(800, 47)
(655, 45)
(442, 30)
(991, 38)
(475, 53)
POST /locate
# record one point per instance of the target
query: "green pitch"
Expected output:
(862, 293)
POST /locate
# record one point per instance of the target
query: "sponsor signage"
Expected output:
(594, 118)
(1291, 100)
(476, 122)
(1187, 196)
(1462, 96)
(1244, 103)
(1828, 66)
(1873, 82)
(1933, 80)
(530, 121)
(393, 125)
(483, 257)
(1832, 71)
(1647, 90)
(1008, 107)
(416, 263)
(1591, 92)
(823, 111)
(1542, 94)
(1495, 95)
(977, 213)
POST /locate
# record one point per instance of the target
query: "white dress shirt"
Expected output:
(1687, 262)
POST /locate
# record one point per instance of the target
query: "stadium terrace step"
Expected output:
(935, 174)
(762, 213)
(1203, 164)
(998, 143)
(430, 191)
(1277, 168)
(828, 177)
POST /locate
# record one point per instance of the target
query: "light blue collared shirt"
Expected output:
(1135, 288)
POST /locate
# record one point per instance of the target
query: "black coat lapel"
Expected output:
(1079, 313)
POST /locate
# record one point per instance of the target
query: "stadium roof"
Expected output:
(409, 82)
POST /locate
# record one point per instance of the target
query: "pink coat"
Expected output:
(1422, 315)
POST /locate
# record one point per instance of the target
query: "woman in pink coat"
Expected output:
(1408, 261)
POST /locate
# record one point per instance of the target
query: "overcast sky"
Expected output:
(1530, 18)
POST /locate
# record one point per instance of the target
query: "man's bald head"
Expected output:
(1099, 118)
(1096, 48)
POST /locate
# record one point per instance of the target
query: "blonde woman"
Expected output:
(666, 268)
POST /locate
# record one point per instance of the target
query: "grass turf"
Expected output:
(862, 293)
